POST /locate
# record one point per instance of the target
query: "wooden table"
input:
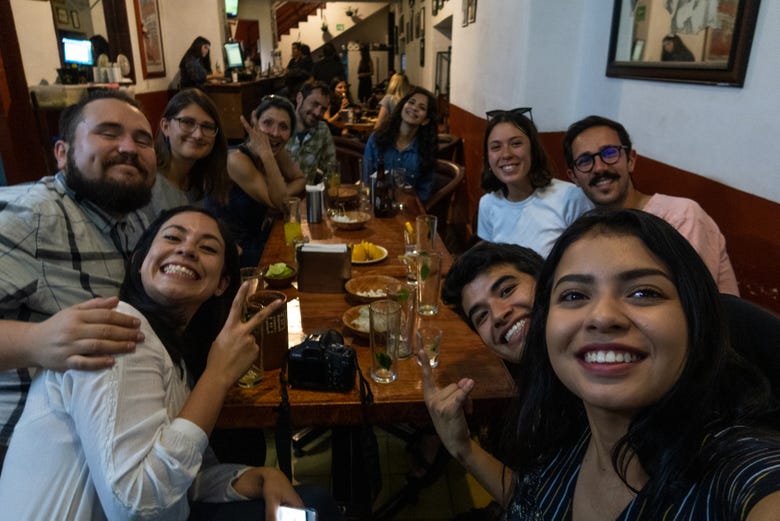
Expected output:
(462, 354)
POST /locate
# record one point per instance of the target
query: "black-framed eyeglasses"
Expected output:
(520, 111)
(609, 155)
(189, 126)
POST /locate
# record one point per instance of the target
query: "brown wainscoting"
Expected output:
(749, 222)
(153, 104)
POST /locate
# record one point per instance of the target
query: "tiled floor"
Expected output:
(453, 493)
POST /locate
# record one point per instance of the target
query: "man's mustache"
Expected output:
(609, 176)
(126, 158)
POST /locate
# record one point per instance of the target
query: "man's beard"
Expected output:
(112, 196)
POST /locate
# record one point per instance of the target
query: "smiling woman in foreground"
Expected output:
(131, 441)
(632, 404)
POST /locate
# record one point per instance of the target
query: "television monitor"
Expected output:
(231, 8)
(77, 51)
(233, 57)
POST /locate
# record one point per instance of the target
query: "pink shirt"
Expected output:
(694, 224)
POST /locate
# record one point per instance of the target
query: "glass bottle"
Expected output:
(292, 220)
(383, 192)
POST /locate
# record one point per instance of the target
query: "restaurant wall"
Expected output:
(538, 54)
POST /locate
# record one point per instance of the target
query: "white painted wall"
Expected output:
(523, 52)
(35, 25)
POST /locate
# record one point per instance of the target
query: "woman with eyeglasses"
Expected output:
(408, 139)
(523, 204)
(632, 404)
(191, 152)
(264, 176)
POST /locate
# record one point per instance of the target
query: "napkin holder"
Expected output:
(323, 268)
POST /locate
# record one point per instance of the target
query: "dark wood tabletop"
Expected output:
(462, 352)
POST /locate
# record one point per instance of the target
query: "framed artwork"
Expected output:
(472, 11)
(434, 7)
(74, 18)
(422, 23)
(147, 17)
(417, 25)
(465, 12)
(62, 16)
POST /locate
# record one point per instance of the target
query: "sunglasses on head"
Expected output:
(520, 111)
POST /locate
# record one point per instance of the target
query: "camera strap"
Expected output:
(283, 432)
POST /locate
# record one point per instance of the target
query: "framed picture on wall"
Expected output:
(434, 7)
(147, 17)
(465, 12)
(62, 16)
(417, 25)
(472, 11)
(422, 23)
(74, 18)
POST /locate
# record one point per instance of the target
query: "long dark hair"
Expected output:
(539, 174)
(193, 343)
(194, 51)
(716, 388)
(208, 176)
(427, 135)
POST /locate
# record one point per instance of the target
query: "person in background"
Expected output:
(64, 241)
(365, 73)
(293, 82)
(329, 67)
(631, 403)
(191, 151)
(340, 99)
(523, 204)
(264, 177)
(133, 440)
(195, 65)
(600, 160)
(408, 140)
(397, 88)
(311, 146)
(99, 47)
(301, 58)
(674, 50)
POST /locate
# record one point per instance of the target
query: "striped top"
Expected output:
(55, 251)
(733, 486)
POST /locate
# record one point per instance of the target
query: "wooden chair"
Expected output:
(446, 179)
(450, 148)
(349, 153)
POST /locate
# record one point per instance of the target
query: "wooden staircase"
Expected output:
(290, 14)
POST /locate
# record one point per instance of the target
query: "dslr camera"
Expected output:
(323, 363)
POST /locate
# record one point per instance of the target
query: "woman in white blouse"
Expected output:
(132, 441)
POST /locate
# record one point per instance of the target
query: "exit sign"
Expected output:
(339, 27)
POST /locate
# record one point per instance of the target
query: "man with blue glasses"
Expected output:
(600, 161)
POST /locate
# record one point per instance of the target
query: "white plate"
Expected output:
(374, 261)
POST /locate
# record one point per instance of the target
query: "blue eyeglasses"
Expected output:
(609, 155)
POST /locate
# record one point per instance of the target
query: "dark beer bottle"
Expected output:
(383, 192)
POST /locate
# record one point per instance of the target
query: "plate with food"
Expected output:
(352, 220)
(356, 321)
(366, 252)
(368, 288)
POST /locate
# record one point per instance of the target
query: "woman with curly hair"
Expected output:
(409, 140)
(523, 204)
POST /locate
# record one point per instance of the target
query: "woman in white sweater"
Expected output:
(523, 204)
(131, 442)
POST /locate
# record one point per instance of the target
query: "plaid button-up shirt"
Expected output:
(55, 252)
